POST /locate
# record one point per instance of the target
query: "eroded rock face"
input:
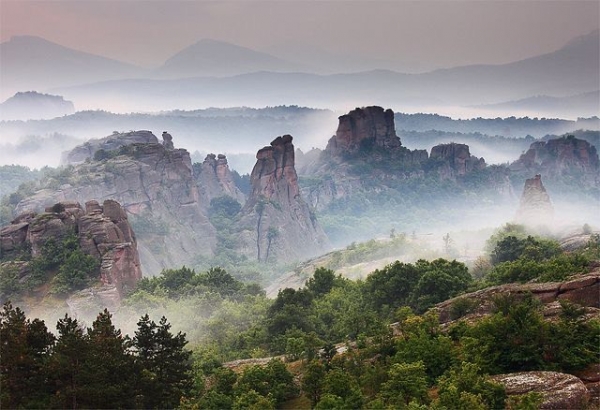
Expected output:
(103, 232)
(455, 160)
(167, 140)
(559, 157)
(363, 126)
(157, 189)
(276, 220)
(582, 290)
(559, 390)
(86, 151)
(215, 179)
(535, 208)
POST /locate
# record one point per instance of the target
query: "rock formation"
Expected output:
(561, 157)
(362, 127)
(535, 208)
(215, 179)
(103, 232)
(86, 151)
(167, 140)
(454, 160)
(558, 390)
(582, 290)
(156, 187)
(276, 220)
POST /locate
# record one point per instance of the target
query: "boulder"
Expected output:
(559, 390)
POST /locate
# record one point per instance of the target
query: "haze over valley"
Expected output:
(308, 205)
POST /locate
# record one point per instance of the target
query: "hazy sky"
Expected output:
(417, 35)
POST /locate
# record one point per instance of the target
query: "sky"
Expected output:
(415, 35)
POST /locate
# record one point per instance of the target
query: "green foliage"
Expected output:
(557, 268)
(406, 383)
(163, 363)
(224, 206)
(512, 248)
(467, 387)
(419, 286)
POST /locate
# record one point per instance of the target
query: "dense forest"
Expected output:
(334, 343)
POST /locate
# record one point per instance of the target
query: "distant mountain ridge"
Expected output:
(220, 59)
(30, 62)
(214, 73)
(32, 105)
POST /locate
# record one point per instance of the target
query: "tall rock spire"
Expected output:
(279, 223)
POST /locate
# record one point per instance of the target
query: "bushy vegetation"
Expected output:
(61, 263)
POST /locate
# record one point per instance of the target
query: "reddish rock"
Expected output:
(369, 125)
(455, 160)
(215, 179)
(103, 232)
(583, 290)
(276, 221)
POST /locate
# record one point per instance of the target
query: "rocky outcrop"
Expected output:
(275, 219)
(590, 376)
(455, 160)
(558, 390)
(167, 140)
(363, 127)
(561, 157)
(535, 208)
(86, 151)
(582, 290)
(103, 232)
(157, 189)
(215, 179)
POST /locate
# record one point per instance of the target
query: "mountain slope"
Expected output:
(217, 58)
(30, 62)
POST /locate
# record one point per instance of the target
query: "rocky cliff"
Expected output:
(113, 142)
(156, 187)
(365, 159)
(535, 208)
(559, 158)
(103, 232)
(363, 127)
(275, 219)
(215, 179)
(453, 160)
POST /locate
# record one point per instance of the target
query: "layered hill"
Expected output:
(30, 62)
(33, 105)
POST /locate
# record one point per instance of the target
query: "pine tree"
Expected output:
(163, 363)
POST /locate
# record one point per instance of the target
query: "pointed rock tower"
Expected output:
(277, 223)
(535, 208)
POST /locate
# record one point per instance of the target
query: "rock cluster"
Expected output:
(276, 218)
(535, 208)
(559, 157)
(103, 232)
(156, 187)
(582, 290)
